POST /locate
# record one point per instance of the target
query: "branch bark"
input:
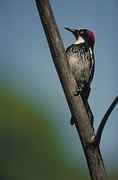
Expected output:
(82, 123)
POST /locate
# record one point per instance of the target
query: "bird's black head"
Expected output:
(83, 36)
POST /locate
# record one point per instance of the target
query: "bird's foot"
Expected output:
(78, 91)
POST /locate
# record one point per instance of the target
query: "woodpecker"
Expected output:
(81, 60)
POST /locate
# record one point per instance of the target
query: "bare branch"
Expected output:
(98, 135)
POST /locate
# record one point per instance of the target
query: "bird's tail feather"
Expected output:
(89, 112)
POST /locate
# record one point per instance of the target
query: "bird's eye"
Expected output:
(81, 32)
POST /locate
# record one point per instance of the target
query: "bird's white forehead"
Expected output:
(81, 29)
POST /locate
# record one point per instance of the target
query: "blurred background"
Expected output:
(36, 138)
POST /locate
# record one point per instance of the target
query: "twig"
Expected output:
(98, 135)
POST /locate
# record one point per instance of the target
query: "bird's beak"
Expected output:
(74, 31)
(69, 29)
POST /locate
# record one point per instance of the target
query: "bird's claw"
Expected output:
(78, 91)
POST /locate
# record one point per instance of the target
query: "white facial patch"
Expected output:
(80, 40)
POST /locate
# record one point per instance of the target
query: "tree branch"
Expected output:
(98, 135)
(82, 123)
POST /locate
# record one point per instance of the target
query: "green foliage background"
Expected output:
(28, 147)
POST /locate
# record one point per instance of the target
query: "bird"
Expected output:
(81, 59)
